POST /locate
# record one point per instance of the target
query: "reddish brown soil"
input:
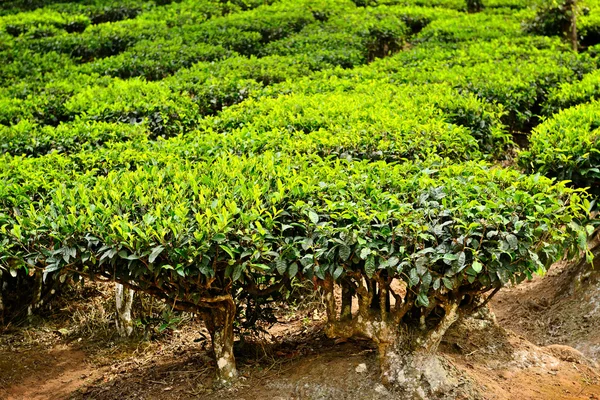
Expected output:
(506, 366)
(43, 374)
(560, 308)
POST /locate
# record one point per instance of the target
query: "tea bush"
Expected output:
(573, 93)
(567, 146)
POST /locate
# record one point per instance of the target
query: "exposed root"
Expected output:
(406, 336)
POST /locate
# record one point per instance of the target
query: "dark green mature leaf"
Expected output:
(512, 241)
(421, 265)
(237, 272)
(219, 238)
(281, 266)
(461, 259)
(392, 262)
(448, 283)
(364, 253)
(426, 280)
(344, 252)
(413, 278)
(338, 272)
(422, 300)
(293, 270)
(155, 253)
(48, 269)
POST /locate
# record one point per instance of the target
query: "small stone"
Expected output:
(361, 368)
(381, 389)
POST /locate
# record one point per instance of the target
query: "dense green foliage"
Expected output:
(567, 146)
(207, 151)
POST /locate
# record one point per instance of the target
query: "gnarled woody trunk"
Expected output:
(124, 301)
(219, 321)
(407, 337)
(217, 311)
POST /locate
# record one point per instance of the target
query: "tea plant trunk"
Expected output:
(571, 29)
(124, 301)
(406, 345)
(219, 322)
(36, 300)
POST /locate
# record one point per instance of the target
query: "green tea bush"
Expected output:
(190, 12)
(24, 23)
(567, 146)
(370, 121)
(155, 59)
(348, 39)
(550, 19)
(508, 4)
(588, 22)
(45, 103)
(10, 7)
(12, 111)
(25, 65)
(214, 86)
(268, 23)
(321, 49)
(479, 26)
(6, 42)
(189, 231)
(518, 77)
(100, 12)
(25, 138)
(136, 101)
(459, 5)
(572, 93)
(99, 40)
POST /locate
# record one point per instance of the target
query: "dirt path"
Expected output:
(509, 369)
(43, 374)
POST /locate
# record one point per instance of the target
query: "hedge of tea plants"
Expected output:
(207, 152)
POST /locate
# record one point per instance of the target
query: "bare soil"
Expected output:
(561, 308)
(535, 358)
(43, 373)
